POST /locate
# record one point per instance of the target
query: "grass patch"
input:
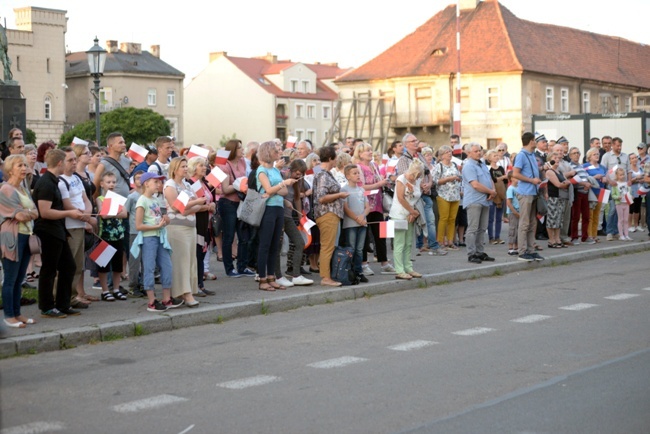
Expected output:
(422, 284)
(219, 320)
(328, 301)
(497, 272)
(443, 282)
(65, 346)
(264, 308)
(112, 337)
(367, 295)
(140, 331)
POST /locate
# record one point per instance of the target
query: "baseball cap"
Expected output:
(642, 146)
(150, 175)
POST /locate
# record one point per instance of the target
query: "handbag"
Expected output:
(216, 223)
(542, 206)
(34, 244)
(387, 199)
(252, 208)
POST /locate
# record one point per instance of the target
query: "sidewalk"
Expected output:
(239, 297)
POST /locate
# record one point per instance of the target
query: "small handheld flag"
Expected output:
(197, 188)
(222, 157)
(102, 254)
(216, 177)
(181, 201)
(291, 141)
(197, 151)
(137, 152)
(387, 229)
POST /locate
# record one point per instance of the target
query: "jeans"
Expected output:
(494, 221)
(270, 234)
(380, 243)
(13, 277)
(153, 253)
(430, 218)
(477, 221)
(647, 213)
(228, 212)
(355, 237)
(612, 219)
(57, 258)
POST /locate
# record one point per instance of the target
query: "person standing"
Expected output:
(611, 160)
(527, 172)
(478, 192)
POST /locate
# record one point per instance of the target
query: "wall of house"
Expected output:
(221, 101)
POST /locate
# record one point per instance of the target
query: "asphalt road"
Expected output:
(564, 349)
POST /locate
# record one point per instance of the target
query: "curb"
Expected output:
(73, 337)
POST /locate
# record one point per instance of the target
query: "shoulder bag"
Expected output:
(251, 209)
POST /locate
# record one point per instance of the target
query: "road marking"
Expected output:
(188, 429)
(474, 332)
(34, 428)
(621, 296)
(579, 306)
(148, 403)
(413, 345)
(337, 363)
(645, 289)
(258, 380)
(531, 319)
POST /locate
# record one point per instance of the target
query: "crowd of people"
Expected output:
(180, 206)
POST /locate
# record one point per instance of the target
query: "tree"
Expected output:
(141, 126)
(30, 137)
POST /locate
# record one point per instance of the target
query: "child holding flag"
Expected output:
(356, 207)
(111, 230)
(620, 192)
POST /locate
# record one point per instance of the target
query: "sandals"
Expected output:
(89, 297)
(274, 284)
(264, 285)
(119, 295)
(107, 296)
(32, 277)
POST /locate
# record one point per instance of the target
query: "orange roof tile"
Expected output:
(493, 39)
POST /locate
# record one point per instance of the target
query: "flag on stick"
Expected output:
(628, 198)
(291, 141)
(387, 229)
(216, 177)
(102, 254)
(197, 151)
(603, 196)
(78, 141)
(112, 204)
(137, 152)
(222, 157)
(370, 192)
(197, 188)
(181, 201)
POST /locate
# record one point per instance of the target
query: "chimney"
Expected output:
(217, 54)
(111, 46)
(468, 4)
(269, 58)
(131, 48)
(155, 51)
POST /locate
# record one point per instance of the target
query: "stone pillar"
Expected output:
(12, 110)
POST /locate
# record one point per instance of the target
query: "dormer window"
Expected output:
(294, 86)
(439, 52)
(305, 86)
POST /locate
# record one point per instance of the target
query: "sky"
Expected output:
(348, 32)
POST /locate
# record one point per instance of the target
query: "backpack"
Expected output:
(342, 266)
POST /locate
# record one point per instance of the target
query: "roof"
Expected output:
(257, 69)
(493, 39)
(144, 63)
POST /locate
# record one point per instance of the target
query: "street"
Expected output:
(564, 349)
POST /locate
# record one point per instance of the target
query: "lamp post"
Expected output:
(96, 60)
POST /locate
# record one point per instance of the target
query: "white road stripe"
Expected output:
(413, 345)
(645, 289)
(258, 380)
(34, 428)
(148, 403)
(579, 306)
(531, 319)
(621, 296)
(337, 363)
(473, 332)
(188, 429)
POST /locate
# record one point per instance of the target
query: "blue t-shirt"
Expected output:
(511, 194)
(475, 171)
(527, 163)
(275, 177)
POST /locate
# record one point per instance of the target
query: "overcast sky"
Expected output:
(345, 31)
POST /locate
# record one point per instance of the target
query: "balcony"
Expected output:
(104, 107)
(281, 121)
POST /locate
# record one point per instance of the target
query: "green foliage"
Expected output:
(30, 137)
(224, 139)
(141, 126)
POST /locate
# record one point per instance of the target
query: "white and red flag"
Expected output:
(370, 192)
(291, 141)
(241, 184)
(628, 198)
(391, 166)
(197, 151)
(112, 204)
(197, 188)
(387, 229)
(643, 191)
(102, 254)
(181, 201)
(222, 157)
(137, 152)
(78, 141)
(384, 159)
(216, 176)
(603, 195)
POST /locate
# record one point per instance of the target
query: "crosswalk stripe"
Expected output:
(621, 296)
(413, 345)
(474, 331)
(578, 306)
(148, 403)
(34, 428)
(258, 380)
(531, 319)
(337, 363)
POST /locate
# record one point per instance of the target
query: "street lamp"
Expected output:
(96, 60)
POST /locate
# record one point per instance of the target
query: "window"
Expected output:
(305, 86)
(294, 86)
(311, 134)
(550, 104)
(171, 98)
(617, 104)
(423, 106)
(564, 100)
(151, 97)
(326, 112)
(17, 63)
(493, 97)
(311, 111)
(300, 111)
(48, 108)
(628, 104)
(604, 106)
(300, 134)
(492, 143)
(586, 105)
(47, 65)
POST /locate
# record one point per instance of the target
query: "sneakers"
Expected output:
(200, 293)
(96, 284)
(284, 282)
(156, 306)
(485, 257)
(438, 252)
(536, 256)
(137, 293)
(610, 237)
(527, 257)
(173, 303)
(53, 313)
(632, 229)
(575, 241)
(388, 269)
(513, 252)
(207, 291)
(233, 273)
(624, 238)
(247, 272)
(70, 312)
(475, 259)
(302, 281)
(590, 241)
(367, 270)
(363, 279)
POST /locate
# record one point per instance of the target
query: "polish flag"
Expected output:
(457, 161)
(391, 166)
(112, 204)
(603, 195)
(309, 172)
(132, 182)
(241, 184)
(181, 201)
(384, 159)
(291, 141)
(628, 198)
(197, 188)
(102, 254)
(543, 184)
(137, 152)
(387, 229)
(643, 191)
(458, 149)
(222, 157)
(216, 177)
(612, 170)
(78, 141)
(197, 151)
(576, 179)
(306, 223)
(540, 218)
(370, 192)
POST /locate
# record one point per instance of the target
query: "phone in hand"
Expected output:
(286, 159)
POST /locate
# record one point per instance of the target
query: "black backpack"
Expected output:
(342, 266)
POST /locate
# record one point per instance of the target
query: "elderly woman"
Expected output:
(448, 181)
(580, 207)
(196, 168)
(431, 215)
(328, 211)
(17, 213)
(599, 173)
(182, 233)
(272, 186)
(558, 196)
(33, 173)
(342, 160)
(407, 193)
(312, 161)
